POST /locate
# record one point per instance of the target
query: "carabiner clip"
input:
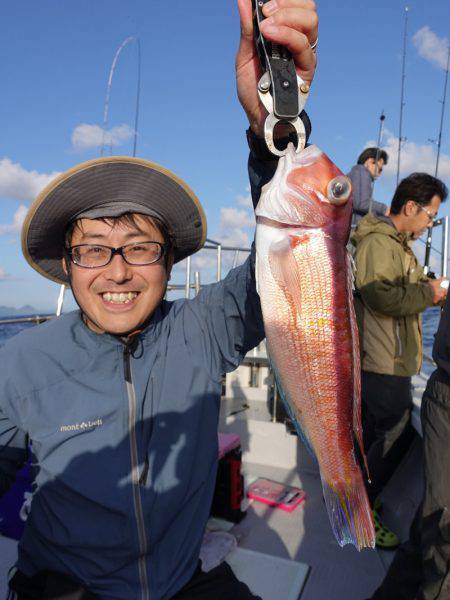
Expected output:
(281, 90)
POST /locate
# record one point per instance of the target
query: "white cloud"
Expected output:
(3, 274)
(236, 224)
(245, 200)
(18, 183)
(235, 229)
(18, 219)
(231, 217)
(431, 47)
(236, 238)
(87, 136)
(414, 157)
(205, 259)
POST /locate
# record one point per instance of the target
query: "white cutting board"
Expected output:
(270, 577)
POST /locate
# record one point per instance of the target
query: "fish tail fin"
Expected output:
(350, 513)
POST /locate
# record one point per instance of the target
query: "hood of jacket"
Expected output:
(380, 225)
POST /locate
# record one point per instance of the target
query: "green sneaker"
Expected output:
(384, 537)
(377, 505)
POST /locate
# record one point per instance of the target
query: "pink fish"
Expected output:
(305, 284)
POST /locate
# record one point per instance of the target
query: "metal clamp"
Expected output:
(281, 90)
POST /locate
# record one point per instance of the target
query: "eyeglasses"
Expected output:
(430, 215)
(93, 256)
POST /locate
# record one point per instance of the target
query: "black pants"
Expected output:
(388, 433)
(421, 567)
(219, 583)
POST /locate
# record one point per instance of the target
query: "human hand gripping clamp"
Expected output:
(281, 90)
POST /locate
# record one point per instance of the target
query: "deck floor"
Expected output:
(305, 534)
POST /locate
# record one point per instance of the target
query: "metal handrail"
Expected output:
(188, 285)
(428, 359)
(34, 319)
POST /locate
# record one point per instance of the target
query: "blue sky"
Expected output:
(55, 63)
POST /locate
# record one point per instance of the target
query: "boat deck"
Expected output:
(304, 535)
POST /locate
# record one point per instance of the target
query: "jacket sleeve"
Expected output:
(380, 286)
(229, 312)
(13, 441)
(13, 452)
(362, 192)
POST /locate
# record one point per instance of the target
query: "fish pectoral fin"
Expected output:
(284, 267)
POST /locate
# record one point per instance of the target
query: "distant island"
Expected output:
(27, 309)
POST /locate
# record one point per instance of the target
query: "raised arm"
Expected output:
(291, 23)
(228, 314)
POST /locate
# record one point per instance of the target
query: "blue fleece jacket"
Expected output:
(362, 190)
(124, 439)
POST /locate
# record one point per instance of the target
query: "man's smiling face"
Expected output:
(118, 298)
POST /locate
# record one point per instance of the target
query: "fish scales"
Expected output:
(304, 282)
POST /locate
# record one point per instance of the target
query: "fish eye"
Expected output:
(339, 190)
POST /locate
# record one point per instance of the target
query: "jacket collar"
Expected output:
(146, 335)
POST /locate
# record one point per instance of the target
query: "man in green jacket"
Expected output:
(392, 292)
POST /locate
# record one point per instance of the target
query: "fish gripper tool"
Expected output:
(281, 90)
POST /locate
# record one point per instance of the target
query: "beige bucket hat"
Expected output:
(110, 186)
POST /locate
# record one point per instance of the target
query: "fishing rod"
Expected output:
(108, 93)
(377, 157)
(402, 95)
(138, 97)
(428, 247)
(443, 101)
(128, 40)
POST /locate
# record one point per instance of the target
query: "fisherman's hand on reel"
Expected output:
(290, 23)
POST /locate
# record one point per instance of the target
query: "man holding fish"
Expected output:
(120, 399)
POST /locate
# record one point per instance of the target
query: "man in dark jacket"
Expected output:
(120, 400)
(363, 175)
(421, 567)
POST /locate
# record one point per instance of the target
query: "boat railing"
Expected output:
(192, 279)
(443, 254)
(37, 319)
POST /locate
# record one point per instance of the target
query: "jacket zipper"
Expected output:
(135, 474)
(145, 470)
(400, 349)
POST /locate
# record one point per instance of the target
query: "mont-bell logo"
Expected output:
(84, 425)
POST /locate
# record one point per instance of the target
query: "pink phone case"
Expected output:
(276, 494)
